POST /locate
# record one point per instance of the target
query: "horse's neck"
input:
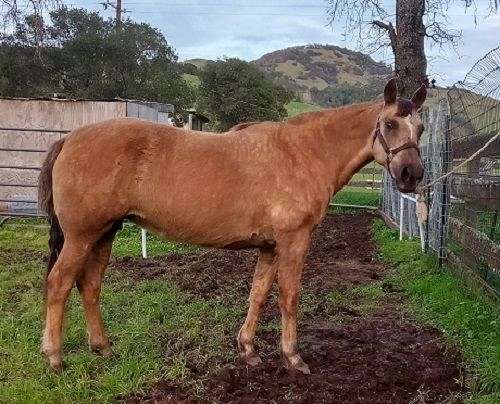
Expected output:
(341, 139)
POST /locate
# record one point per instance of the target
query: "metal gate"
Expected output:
(18, 178)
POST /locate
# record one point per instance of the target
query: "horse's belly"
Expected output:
(211, 229)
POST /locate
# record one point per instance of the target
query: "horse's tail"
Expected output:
(46, 203)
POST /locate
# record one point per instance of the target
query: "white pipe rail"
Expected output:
(144, 243)
(421, 232)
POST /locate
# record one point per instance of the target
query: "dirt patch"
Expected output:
(12, 257)
(381, 357)
(376, 360)
(340, 256)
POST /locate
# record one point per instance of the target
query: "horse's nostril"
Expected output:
(405, 174)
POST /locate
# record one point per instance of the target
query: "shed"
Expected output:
(29, 126)
(194, 120)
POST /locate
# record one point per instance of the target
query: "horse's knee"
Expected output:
(288, 306)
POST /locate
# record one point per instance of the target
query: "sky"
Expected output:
(247, 29)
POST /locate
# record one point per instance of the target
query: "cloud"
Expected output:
(212, 29)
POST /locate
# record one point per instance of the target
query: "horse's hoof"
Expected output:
(55, 363)
(53, 358)
(105, 351)
(56, 367)
(296, 364)
(252, 360)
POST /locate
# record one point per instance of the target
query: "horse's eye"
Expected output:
(389, 125)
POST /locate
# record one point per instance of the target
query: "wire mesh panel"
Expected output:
(474, 227)
(393, 205)
(435, 153)
(436, 162)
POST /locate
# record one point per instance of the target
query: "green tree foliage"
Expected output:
(189, 68)
(234, 91)
(345, 94)
(84, 56)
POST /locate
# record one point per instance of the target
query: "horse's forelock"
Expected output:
(405, 107)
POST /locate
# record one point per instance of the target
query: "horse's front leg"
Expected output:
(263, 278)
(292, 252)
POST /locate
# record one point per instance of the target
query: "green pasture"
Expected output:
(159, 331)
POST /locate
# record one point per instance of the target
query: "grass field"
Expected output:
(135, 314)
(297, 107)
(468, 319)
(157, 329)
(357, 196)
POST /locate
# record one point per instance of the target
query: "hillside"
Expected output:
(198, 62)
(298, 107)
(325, 74)
(322, 75)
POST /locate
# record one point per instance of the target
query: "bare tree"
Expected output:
(404, 30)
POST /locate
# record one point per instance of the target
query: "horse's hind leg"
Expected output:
(89, 285)
(60, 280)
(265, 273)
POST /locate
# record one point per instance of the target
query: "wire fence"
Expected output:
(463, 225)
(401, 210)
(474, 227)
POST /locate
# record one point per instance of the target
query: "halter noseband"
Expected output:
(392, 152)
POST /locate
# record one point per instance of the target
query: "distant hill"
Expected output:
(325, 74)
(322, 75)
(199, 63)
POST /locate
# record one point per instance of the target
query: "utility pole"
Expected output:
(118, 9)
(118, 14)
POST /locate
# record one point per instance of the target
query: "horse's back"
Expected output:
(211, 189)
(100, 165)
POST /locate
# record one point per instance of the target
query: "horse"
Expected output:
(264, 186)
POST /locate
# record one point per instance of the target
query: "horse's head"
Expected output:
(396, 137)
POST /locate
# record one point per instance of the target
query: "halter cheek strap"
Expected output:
(392, 152)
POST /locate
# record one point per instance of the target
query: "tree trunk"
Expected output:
(408, 46)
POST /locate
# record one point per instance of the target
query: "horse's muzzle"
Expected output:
(408, 177)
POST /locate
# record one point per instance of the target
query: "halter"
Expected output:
(392, 152)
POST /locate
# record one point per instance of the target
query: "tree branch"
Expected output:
(383, 25)
(389, 28)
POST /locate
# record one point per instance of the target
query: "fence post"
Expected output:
(429, 204)
(444, 193)
(144, 248)
(401, 216)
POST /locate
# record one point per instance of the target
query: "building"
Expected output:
(194, 120)
(29, 126)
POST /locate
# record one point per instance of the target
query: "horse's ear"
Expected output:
(419, 97)
(390, 92)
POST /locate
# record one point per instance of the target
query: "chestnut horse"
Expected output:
(261, 185)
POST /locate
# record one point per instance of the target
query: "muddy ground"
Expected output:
(375, 355)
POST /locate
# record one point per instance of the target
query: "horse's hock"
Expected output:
(29, 126)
